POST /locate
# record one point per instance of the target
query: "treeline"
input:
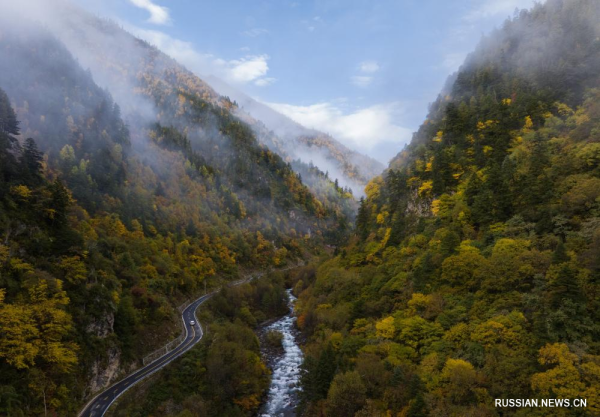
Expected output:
(474, 273)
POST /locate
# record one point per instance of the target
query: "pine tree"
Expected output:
(417, 408)
(325, 371)
(8, 119)
(9, 146)
(60, 202)
(560, 254)
(31, 161)
(362, 219)
(565, 287)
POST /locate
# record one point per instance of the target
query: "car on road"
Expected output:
(192, 322)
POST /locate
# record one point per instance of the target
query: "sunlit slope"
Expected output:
(474, 274)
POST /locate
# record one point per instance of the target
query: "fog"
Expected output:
(142, 80)
(116, 60)
(291, 135)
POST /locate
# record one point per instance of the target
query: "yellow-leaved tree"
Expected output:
(568, 375)
(36, 329)
(17, 334)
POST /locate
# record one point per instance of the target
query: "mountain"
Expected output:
(127, 186)
(474, 272)
(134, 71)
(294, 141)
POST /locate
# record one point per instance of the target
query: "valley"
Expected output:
(137, 193)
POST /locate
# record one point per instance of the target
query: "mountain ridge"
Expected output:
(112, 214)
(473, 274)
(351, 168)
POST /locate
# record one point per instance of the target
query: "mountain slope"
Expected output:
(126, 209)
(474, 274)
(293, 140)
(139, 76)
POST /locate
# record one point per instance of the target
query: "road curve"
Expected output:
(98, 406)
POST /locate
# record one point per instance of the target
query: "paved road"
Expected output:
(100, 404)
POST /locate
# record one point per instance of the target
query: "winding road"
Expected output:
(98, 406)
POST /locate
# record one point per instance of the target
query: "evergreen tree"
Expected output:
(59, 203)
(31, 161)
(8, 119)
(564, 286)
(325, 371)
(9, 146)
(362, 219)
(560, 254)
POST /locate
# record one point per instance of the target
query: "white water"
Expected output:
(286, 371)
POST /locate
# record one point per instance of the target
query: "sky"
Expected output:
(363, 71)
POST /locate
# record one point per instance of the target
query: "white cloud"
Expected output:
(158, 14)
(368, 67)
(263, 82)
(363, 129)
(361, 81)
(491, 8)
(253, 33)
(250, 68)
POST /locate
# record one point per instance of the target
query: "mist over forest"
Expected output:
(467, 270)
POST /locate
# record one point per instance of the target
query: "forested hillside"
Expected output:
(475, 273)
(110, 218)
(226, 375)
(151, 86)
(288, 138)
(128, 186)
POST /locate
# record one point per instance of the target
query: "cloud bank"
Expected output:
(364, 129)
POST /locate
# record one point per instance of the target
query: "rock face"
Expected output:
(105, 368)
(102, 327)
(104, 371)
(418, 206)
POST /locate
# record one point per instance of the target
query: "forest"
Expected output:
(109, 222)
(468, 272)
(474, 272)
(226, 375)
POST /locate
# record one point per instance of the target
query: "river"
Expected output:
(283, 392)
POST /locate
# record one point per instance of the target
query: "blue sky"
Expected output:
(361, 70)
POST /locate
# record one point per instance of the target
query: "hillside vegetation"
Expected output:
(112, 216)
(475, 273)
